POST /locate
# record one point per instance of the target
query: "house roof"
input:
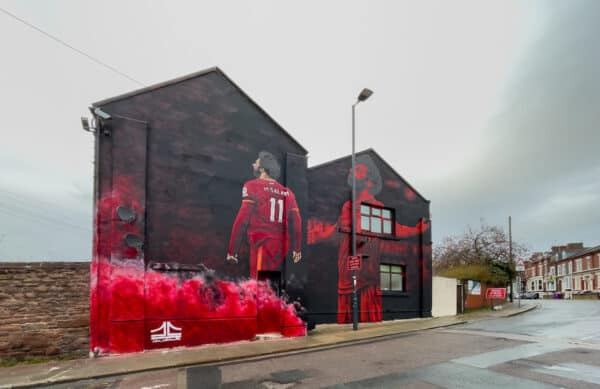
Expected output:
(371, 151)
(181, 79)
(581, 253)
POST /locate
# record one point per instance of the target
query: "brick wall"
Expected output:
(44, 309)
(474, 301)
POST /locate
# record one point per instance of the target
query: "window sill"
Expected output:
(374, 234)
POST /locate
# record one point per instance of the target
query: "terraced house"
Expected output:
(579, 273)
(569, 269)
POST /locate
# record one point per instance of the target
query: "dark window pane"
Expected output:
(396, 281)
(385, 281)
(386, 213)
(365, 209)
(387, 227)
(376, 211)
(375, 224)
(364, 223)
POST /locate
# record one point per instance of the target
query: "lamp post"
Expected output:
(364, 95)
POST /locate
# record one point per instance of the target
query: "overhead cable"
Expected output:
(96, 60)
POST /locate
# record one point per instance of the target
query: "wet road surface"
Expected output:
(556, 319)
(554, 346)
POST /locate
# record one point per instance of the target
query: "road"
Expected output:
(554, 346)
(555, 319)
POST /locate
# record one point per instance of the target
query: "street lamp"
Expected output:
(364, 95)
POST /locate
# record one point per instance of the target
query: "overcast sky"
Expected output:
(489, 109)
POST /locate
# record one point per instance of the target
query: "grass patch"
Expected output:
(10, 362)
(476, 310)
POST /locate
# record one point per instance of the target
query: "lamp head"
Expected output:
(365, 94)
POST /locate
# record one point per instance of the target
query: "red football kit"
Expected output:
(266, 208)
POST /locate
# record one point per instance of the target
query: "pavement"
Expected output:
(323, 337)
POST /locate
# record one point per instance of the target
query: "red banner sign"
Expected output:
(495, 293)
(354, 262)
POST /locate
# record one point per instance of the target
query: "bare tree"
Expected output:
(479, 253)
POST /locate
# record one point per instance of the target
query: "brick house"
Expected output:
(546, 272)
(580, 271)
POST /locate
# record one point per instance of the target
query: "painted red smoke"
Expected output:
(202, 309)
(128, 301)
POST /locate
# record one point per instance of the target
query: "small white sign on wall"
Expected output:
(474, 287)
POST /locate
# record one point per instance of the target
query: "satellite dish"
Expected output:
(126, 214)
(135, 241)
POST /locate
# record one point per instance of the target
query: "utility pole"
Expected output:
(510, 256)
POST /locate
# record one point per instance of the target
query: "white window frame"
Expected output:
(379, 216)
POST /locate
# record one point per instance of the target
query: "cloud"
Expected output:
(541, 153)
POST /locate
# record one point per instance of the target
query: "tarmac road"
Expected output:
(554, 346)
(555, 319)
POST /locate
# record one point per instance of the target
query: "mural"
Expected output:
(173, 305)
(178, 261)
(265, 215)
(369, 246)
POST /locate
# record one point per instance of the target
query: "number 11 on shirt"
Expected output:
(280, 210)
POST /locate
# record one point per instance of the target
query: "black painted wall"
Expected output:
(189, 161)
(203, 134)
(329, 189)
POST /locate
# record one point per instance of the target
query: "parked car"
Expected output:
(531, 295)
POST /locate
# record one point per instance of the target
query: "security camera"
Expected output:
(85, 123)
(101, 114)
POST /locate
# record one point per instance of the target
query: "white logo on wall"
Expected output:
(167, 332)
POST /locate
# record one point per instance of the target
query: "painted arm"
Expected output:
(239, 228)
(297, 226)
(406, 231)
(318, 230)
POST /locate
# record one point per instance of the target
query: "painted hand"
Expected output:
(296, 256)
(232, 258)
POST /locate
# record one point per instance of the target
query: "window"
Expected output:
(588, 263)
(578, 265)
(392, 277)
(376, 219)
(539, 284)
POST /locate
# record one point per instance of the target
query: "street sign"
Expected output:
(495, 293)
(354, 262)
